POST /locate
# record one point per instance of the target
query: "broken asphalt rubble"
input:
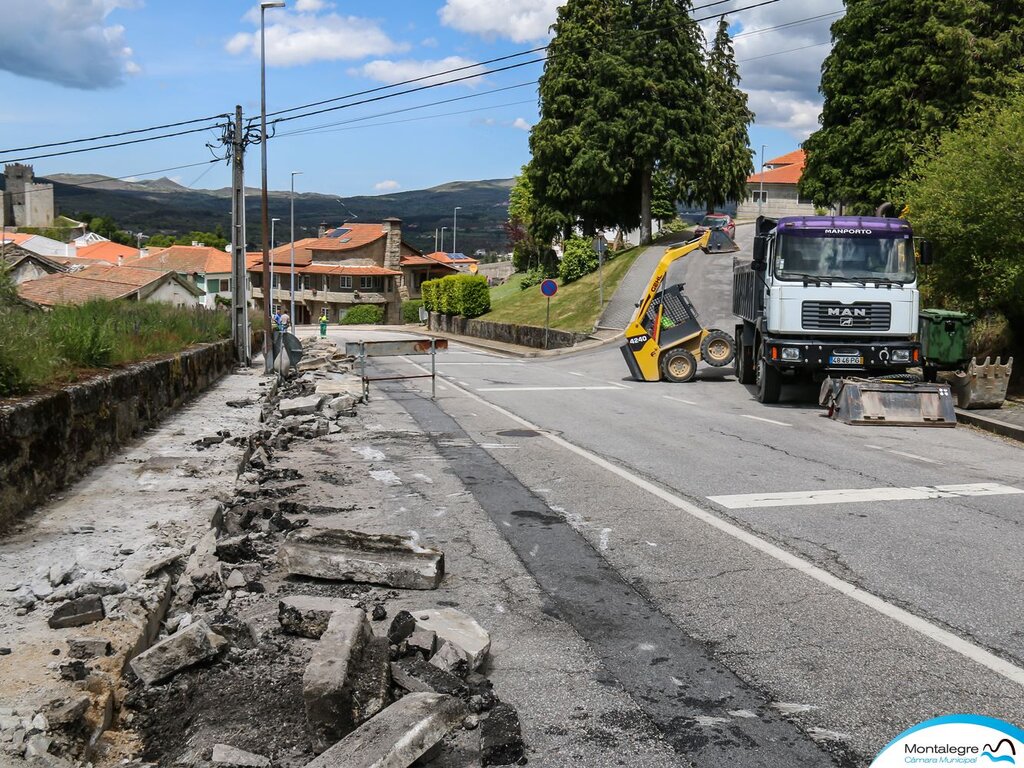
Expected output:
(370, 692)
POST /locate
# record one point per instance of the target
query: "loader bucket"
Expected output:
(983, 385)
(888, 402)
(721, 243)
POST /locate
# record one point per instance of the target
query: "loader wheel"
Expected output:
(679, 366)
(717, 348)
(769, 382)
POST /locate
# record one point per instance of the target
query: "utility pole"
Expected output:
(239, 304)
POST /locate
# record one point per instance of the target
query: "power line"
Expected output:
(779, 53)
(106, 179)
(796, 23)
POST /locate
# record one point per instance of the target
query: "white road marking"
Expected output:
(902, 453)
(923, 627)
(767, 421)
(539, 389)
(534, 549)
(678, 400)
(385, 476)
(575, 373)
(617, 384)
(423, 478)
(855, 495)
(445, 363)
(787, 708)
(463, 384)
(605, 535)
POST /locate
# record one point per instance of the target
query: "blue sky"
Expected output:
(76, 68)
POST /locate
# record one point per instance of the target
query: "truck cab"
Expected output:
(826, 296)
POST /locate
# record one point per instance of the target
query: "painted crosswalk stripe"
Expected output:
(903, 453)
(544, 389)
(767, 421)
(855, 495)
(678, 400)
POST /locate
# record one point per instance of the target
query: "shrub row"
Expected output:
(465, 295)
(364, 314)
(411, 310)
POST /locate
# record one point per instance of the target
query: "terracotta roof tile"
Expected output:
(96, 282)
(108, 251)
(187, 259)
(792, 168)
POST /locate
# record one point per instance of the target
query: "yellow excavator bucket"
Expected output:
(888, 402)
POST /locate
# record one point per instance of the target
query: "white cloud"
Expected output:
(782, 83)
(303, 36)
(387, 186)
(385, 71)
(66, 42)
(518, 20)
(521, 124)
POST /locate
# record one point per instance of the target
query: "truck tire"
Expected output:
(769, 382)
(717, 348)
(678, 366)
(744, 361)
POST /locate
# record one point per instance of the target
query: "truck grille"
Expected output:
(861, 315)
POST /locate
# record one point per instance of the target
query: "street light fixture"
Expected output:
(760, 191)
(292, 280)
(265, 215)
(273, 238)
(455, 228)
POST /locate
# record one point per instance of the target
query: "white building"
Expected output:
(776, 188)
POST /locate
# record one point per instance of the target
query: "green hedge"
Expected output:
(411, 310)
(364, 314)
(578, 260)
(466, 295)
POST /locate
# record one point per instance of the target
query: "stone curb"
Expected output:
(523, 352)
(989, 424)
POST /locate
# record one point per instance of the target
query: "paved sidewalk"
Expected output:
(1007, 421)
(620, 308)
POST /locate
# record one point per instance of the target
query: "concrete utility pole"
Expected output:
(268, 291)
(239, 303)
(292, 279)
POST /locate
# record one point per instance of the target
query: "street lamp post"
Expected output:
(442, 238)
(265, 214)
(455, 228)
(292, 281)
(760, 191)
(273, 238)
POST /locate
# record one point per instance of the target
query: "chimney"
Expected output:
(392, 227)
(322, 230)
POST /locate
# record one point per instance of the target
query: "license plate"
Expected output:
(846, 360)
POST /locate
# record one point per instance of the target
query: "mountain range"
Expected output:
(163, 206)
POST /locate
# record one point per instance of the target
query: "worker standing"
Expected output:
(323, 323)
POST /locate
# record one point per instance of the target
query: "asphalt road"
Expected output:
(882, 588)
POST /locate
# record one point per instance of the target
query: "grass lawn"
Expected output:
(574, 307)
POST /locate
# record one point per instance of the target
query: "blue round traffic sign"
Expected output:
(549, 288)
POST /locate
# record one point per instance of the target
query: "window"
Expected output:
(346, 281)
(256, 279)
(218, 285)
(368, 283)
(804, 200)
(759, 196)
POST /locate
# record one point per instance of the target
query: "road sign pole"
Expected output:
(600, 278)
(547, 323)
(433, 369)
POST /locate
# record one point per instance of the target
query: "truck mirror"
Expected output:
(927, 255)
(760, 253)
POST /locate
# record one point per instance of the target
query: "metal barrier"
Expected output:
(365, 349)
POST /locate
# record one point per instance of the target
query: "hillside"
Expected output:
(163, 206)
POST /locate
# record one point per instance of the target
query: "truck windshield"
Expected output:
(858, 259)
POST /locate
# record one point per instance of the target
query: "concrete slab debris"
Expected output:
(416, 675)
(501, 737)
(424, 640)
(88, 647)
(457, 628)
(452, 659)
(402, 626)
(235, 580)
(188, 646)
(342, 555)
(308, 615)
(91, 583)
(398, 736)
(346, 681)
(224, 754)
(78, 612)
(300, 406)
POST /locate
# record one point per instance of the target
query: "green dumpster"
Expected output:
(944, 335)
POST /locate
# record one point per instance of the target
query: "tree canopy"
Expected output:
(900, 72)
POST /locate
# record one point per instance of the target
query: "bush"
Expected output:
(364, 314)
(578, 260)
(466, 295)
(411, 310)
(534, 277)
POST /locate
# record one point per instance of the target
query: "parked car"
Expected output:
(721, 221)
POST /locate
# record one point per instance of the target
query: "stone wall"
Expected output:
(52, 439)
(524, 335)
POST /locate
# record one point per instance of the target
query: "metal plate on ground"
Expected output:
(394, 348)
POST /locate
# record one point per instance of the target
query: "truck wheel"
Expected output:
(717, 348)
(679, 366)
(769, 382)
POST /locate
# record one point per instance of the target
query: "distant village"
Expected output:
(351, 264)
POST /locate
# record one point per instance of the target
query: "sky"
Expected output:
(71, 69)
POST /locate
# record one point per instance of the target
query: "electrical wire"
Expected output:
(788, 24)
(779, 53)
(106, 179)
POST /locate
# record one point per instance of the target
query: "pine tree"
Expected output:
(900, 73)
(730, 161)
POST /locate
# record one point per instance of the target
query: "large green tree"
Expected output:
(900, 72)
(730, 160)
(965, 195)
(622, 98)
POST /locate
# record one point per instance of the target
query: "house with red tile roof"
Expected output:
(25, 265)
(105, 282)
(776, 187)
(209, 269)
(352, 264)
(108, 251)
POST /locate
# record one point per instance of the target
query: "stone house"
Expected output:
(23, 202)
(208, 268)
(779, 186)
(104, 282)
(352, 264)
